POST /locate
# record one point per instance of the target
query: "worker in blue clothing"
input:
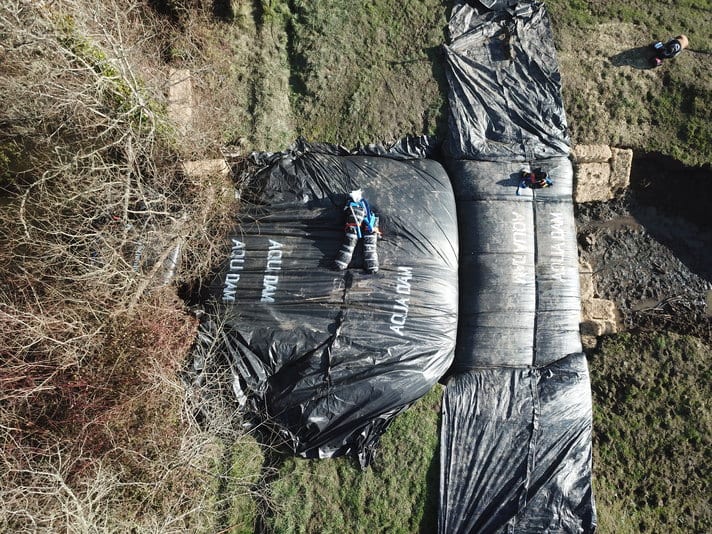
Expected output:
(361, 222)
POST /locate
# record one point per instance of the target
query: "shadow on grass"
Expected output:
(223, 10)
(436, 55)
(429, 522)
(638, 58)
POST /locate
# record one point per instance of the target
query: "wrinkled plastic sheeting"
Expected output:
(516, 433)
(332, 356)
(505, 87)
(520, 297)
(516, 450)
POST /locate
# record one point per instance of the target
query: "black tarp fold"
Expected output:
(329, 356)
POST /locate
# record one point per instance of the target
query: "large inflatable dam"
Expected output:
(516, 428)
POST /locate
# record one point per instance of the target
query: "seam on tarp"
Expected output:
(338, 325)
(536, 278)
(532, 448)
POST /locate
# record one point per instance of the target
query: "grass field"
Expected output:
(652, 425)
(96, 431)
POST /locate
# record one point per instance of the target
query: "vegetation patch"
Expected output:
(652, 428)
(398, 493)
(613, 96)
(379, 83)
(94, 430)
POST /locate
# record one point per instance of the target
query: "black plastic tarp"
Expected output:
(519, 281)
(332, 356)
(505, 99)
(516, 432)
(516, 450)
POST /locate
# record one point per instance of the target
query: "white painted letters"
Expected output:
(402, 304)
(558, 256)
(237, 263)
(274, 265)
(519, 240)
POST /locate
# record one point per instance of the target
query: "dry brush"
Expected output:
(96, 429)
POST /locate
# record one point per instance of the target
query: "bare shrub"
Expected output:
(94, 434)
(96, 165)
(93, 181)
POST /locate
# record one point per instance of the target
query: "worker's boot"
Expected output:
(343, 257)
(370, 253)
(351, 234)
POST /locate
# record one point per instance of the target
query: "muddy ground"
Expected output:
(650, 248)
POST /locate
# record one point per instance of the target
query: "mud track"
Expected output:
(650, 249)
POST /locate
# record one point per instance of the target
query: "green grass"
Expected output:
(665, 18)
(668, 110)
(687, 109)
(652, 428)
(377, 83)
(240, 506)
(398, 493)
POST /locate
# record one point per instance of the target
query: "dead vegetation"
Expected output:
(96, 430)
